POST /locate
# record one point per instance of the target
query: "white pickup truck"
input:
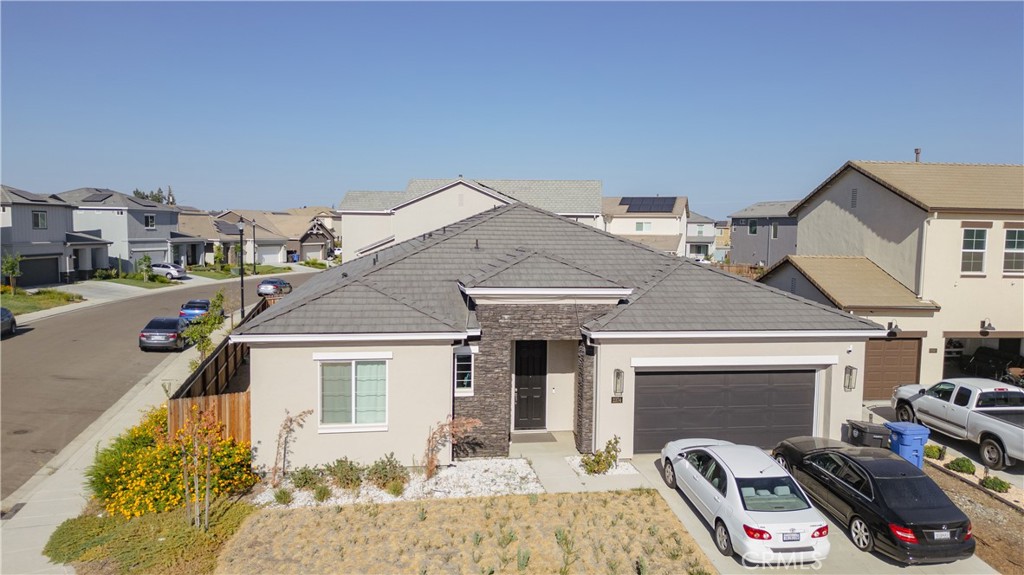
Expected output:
(983, 411)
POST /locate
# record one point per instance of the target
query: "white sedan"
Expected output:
(756, 508)
(171, 271)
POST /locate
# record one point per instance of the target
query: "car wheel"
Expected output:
(905, 413)
(170, 275)
(992, 454)
(861, 535)
(781, 459)
(669, 474)
(722, 539)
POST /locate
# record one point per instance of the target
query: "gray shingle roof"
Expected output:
(779, 209)
(365, 201)
(413, 286)
(9, 195)
(112, 199)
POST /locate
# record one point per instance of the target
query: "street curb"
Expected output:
(988, 492)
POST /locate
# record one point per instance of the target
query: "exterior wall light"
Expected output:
(850, 378)
(620, 382)
(986, 326)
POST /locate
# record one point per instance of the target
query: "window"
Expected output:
(752, 227)
(38, 220)
(963, 397)
(150, 220)
(353, 393)
(972, 256)
(643, 226)
(856, 479)
(700, 229)
(1013, 256)
(464, 369)
(942, 390)
(775, 230)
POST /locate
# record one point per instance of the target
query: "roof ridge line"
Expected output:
(656, 279)
(370, 284)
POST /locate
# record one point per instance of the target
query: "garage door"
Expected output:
(889, 363)
(751, 407)
(269, 254)
(40, 271)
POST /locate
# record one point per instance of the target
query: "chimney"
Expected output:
(917, 155)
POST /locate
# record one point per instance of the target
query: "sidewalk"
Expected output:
(58, 492)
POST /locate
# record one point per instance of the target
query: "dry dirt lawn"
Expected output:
(998, 528)
(606, 532)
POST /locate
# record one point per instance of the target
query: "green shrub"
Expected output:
(104, 274)
(77, 535)
(995, 484)
(396, 487)
(283, 496)
(932, 451)
(603, 460)
(961, 465)
(321, 493)
(306, 477)
(347, 474)
(386, 471)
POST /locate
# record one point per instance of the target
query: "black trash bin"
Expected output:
(867, 434)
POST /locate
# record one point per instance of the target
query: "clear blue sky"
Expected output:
(276, 105)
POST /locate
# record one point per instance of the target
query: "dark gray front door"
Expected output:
(750, 407)
(531, 380)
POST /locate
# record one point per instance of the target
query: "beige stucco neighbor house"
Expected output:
(936, 251)
(375, 220)
(534, 323)
(658, 222)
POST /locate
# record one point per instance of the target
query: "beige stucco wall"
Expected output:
(419, 395)
(786, 278)
(967, 299)
(440, 209)
(561, 396)
(626, 225)
(362, 230)
(833, 405)
(883, 227)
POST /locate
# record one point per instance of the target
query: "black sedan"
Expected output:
(888, 503)
(163, 333)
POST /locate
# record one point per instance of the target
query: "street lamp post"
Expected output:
(241, 264)
(254, 246)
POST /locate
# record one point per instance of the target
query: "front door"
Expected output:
(531, 379)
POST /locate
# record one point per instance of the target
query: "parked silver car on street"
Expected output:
(163, 333)
(9, 325)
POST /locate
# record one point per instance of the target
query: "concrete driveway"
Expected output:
(843, 559)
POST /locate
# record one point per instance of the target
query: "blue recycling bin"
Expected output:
(907, 440)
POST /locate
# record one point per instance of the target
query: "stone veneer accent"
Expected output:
(501, 325)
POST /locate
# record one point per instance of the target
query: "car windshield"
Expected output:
(771, 494)
(163, 323)
(911, 493)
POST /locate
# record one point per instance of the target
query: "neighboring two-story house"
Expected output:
(135, 227)
(723, 241)
(658, 222)
(375, 220)
(41, 230)
(934, 252)
(763, 233)
(700, 236)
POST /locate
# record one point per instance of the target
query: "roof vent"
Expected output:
(477, 245)
(374, 259)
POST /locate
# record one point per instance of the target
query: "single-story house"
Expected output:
(532, 322)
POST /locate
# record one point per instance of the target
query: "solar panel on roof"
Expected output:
(97, 197)
(625, 201)
(27, 196)
(143, 203)
(651, 205)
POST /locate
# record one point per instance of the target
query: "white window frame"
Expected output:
(471, 351)
(42, 220)
(700, 229)
(1017, 249)
(964, 250)
(643, 226)
(145, 221)
(775, 230)
(351, 358)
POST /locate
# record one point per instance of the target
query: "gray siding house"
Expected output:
(135, 226)
(763, 233)
(41, 230)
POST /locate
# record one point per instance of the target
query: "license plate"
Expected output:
(790, 536)
(941, 535)
(159, 338)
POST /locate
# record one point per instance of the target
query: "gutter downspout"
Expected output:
(597, 388)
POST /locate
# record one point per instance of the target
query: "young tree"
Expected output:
(218, 255)
(145, 266)
(11, 268)
(199, 331)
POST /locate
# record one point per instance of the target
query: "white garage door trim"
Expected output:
(808, 361)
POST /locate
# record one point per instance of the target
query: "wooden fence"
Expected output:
(230, 409)
(743, 270)
(206, 387)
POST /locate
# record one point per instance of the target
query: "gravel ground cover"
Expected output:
(998, 528)
(620, 467)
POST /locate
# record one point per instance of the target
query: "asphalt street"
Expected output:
(62, 372)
